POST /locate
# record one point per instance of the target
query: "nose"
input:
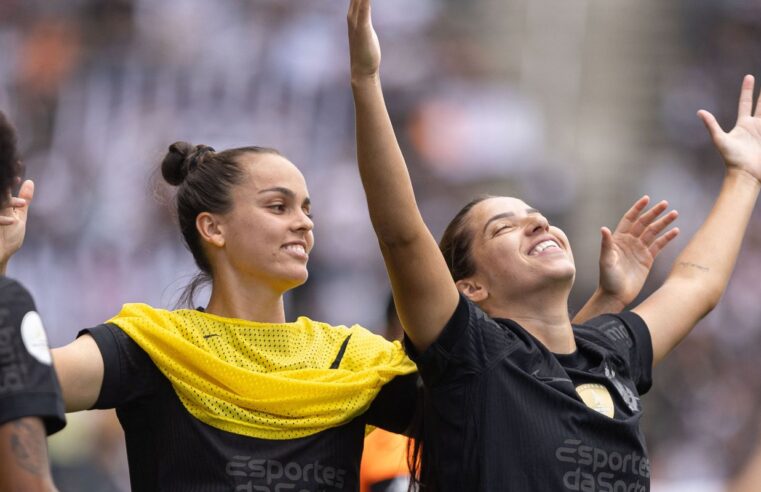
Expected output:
(303, 222)
(536, 224)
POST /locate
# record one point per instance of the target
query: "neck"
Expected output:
(233, 296)
(544, 314)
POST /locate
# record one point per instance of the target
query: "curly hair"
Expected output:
(10, 166)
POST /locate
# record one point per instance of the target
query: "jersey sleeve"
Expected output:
(469, 343)
(28, 383)
(628, 336)
(128, 372)
(395, 404)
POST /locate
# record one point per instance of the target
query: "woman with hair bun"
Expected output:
(232, 396)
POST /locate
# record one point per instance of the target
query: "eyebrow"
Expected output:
(285, 191)
(504, 215)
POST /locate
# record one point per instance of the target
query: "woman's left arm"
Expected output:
(702, 270)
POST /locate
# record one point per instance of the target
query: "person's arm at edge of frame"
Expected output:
(423, 289)
(626, 257)
(78, 365)
(24, 464)
(702, 270)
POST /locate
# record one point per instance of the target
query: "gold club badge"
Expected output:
(597, 397)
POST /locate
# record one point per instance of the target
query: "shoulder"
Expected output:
(621, 330)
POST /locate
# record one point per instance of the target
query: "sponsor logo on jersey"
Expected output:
(11, 371)
(263, 475)
(34, 337)
(630, 398)
(597, 397)
(594, 469)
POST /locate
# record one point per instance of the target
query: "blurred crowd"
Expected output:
(98, 89)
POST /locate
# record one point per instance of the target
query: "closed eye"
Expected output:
(502, 228)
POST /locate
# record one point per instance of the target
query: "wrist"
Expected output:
(359, 78)
(613, 302)
(741, 176)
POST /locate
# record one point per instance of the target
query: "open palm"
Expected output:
(627, 254)
(741, 146)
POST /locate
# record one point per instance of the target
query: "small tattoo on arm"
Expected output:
(29, 446)
(694, 265)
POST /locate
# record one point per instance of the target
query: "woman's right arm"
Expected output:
(79, 366)
(424, 292)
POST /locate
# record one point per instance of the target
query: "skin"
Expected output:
(424, 291)
(24, 464)
(251, 272)
(538, 290)
(24, 457)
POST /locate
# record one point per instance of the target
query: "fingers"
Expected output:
(632, 214)
(6, 220)
(27, 190)
(359, 12)
(711, 124)
(662, 241)
(607, 238)
(745, 106)
(646, 219)
(648, 237)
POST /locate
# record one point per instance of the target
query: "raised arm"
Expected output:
(702, 270)
(424, 291)
(626, 257)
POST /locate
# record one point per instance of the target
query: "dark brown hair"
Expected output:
(10, 167)
(455, 245)
(204, 179)
(456, 240)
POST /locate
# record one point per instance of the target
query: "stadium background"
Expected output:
(577, 106)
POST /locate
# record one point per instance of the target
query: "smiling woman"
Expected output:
(517, 397)
(233, 397)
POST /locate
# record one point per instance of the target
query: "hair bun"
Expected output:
(180, 160)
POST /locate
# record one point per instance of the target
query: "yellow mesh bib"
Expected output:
(265, 380)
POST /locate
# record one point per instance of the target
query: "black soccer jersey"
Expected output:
(28, 383)
(170, 450)
(503, 413)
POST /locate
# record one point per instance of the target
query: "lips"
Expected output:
(547, 244)
(297, 249)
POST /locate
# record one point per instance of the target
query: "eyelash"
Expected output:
(280, 207)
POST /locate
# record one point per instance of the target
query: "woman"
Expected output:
(233, 397)
(516, 397)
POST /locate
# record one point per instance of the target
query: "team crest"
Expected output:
(597, 397)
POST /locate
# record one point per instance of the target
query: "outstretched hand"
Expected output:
(741, 147)
(13, 223)
(627, 254)
(364, 48)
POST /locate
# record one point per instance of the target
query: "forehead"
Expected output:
(490, 207)
(267, 171)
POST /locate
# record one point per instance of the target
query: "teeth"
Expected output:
(543, 246)
(296, 248)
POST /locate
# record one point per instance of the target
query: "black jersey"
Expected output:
(170, 450)
(504, 413)
(28, 383)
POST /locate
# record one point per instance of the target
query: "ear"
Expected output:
(472, 289)
(210, 230)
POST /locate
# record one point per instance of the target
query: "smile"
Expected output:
(549, 244)
(296, 249)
